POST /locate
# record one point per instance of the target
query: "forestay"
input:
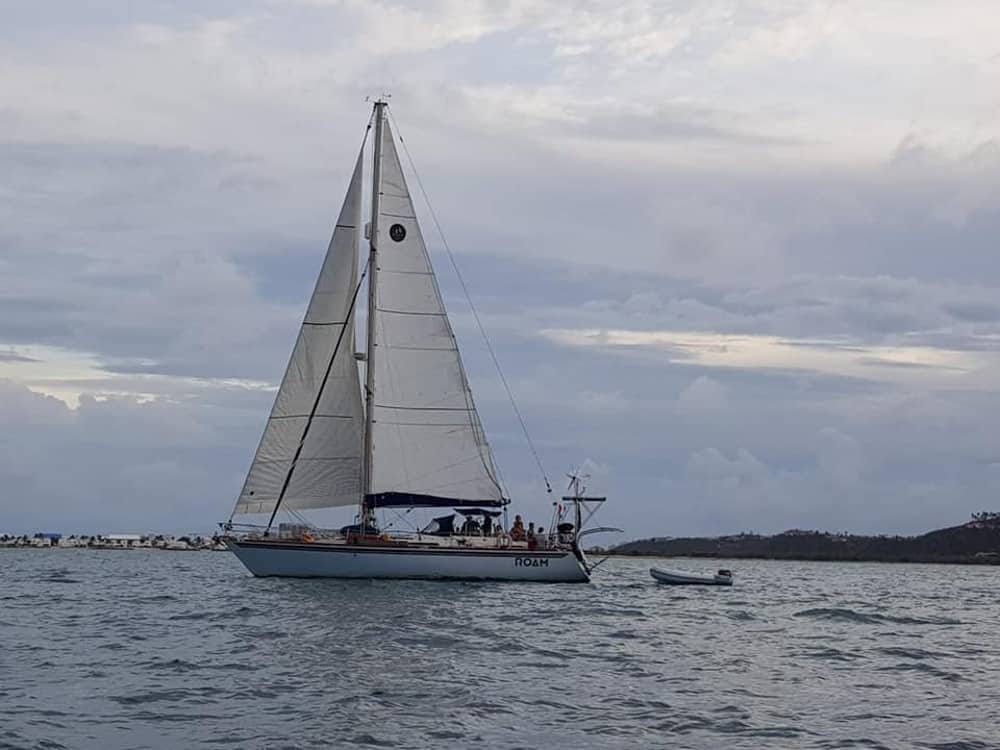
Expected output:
(428, 444)
(327, 472)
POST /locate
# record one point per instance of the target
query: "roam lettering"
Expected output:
(530, 562)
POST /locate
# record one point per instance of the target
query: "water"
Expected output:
(185, 650)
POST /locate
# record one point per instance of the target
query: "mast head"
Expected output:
(382, 100)
(576, 482)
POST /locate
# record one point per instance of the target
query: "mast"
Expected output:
(380, 106)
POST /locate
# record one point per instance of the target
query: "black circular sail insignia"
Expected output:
(397, 232)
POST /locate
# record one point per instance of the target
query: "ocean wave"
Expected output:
(143, 653)
(843, 614)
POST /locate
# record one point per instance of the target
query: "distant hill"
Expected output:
(977, 541)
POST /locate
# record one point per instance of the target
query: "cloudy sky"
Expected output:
(739, 259)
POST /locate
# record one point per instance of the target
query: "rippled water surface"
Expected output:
(155, 649)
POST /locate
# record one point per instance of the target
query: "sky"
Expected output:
(740, 261)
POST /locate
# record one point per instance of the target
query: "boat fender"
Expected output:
(307, 537)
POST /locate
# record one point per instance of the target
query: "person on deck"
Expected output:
(517, 530)
(531, 536)
(488, 525)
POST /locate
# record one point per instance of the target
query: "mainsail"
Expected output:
(310, 453)
(428, 444)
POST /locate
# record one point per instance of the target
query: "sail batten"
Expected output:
(428, 444)
(310, 453)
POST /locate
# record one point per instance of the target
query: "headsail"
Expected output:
(428, 444)
(327, 472)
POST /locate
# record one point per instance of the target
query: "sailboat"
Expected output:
(409, 438)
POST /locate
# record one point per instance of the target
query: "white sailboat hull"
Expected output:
(303, 560)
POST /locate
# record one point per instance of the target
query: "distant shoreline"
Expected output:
(974, 543)
(887, 561)
(118, 542)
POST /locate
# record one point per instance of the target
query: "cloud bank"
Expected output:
(738, 258)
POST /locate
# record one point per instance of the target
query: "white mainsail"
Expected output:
(427, 437)
(327, 470)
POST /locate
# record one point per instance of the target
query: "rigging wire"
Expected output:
(475, 313)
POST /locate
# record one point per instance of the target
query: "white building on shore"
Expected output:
(190, 542)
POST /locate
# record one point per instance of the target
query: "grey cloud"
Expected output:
(176, 264)
(148, 255)
(12, 356)
(974, 312)
(117, 464)
(673, 122)
(883, 362)
(829, 312)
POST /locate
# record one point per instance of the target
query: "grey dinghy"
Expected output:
(676, 578)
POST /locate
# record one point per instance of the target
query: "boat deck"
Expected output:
(457, 543)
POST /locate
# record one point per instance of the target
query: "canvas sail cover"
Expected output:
(327, 472)
(428, 443)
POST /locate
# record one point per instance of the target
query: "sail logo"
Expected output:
(397, 232)
(530, 562)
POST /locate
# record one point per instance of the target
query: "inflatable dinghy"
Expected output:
(676, 578)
